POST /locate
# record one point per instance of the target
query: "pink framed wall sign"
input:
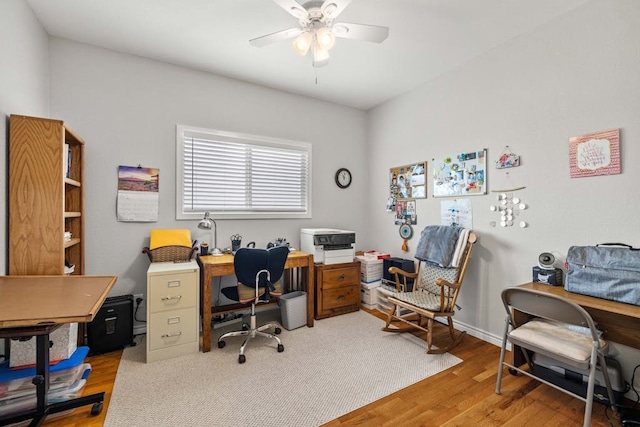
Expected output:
(595, 154)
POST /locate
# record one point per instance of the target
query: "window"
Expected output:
(233, 176)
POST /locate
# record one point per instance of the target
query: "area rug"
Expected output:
(341, 364)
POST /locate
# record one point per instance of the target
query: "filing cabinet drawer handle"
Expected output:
(175, 334)
(341, 297)
(170, 298)
(174, 283)
(341, 277)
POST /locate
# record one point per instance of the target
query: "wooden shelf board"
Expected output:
(71, 242)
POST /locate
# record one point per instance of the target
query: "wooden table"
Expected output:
(36, 306)
(619, 321)
(213, 266)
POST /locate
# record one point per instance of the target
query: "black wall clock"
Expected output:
(343, 178)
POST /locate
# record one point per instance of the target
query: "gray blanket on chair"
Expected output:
(437, 244)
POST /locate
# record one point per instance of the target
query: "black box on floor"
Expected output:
(112, 328)
(576, 381)
(403, 264)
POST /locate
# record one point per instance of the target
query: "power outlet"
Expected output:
(140, 314)
(135, 299)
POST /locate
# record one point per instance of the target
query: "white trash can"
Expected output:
(293, 309)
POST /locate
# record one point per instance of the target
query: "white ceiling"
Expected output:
(426, 39)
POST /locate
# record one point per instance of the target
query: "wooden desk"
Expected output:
(213, 266)
(619, 321)
(36, 306)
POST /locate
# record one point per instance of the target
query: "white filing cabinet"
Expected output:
(173, 295)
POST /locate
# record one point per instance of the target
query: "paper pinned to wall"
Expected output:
(457, 212)
(138, 195)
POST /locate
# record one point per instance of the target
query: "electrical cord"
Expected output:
(633, 382)
(135, 313)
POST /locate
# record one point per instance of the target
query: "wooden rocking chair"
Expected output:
(429, 293)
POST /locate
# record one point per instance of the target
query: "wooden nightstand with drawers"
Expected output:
(337, 289)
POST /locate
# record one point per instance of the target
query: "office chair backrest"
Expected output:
(249, 261)
(542, 304)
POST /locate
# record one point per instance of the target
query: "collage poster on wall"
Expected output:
(407, 182)
(461, 175)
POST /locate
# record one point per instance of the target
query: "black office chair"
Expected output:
(258, 272)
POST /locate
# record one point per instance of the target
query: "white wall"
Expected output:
(24, 89)
(578, 74)
(126, 108)
(24, 86)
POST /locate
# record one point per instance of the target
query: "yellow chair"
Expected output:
(434, 296)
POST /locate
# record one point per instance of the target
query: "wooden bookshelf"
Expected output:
(46, 197)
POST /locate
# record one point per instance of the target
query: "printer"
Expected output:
(328, 245)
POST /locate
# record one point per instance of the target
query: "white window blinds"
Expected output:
(242, 175)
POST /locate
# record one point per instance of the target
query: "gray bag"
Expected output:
(605, 271)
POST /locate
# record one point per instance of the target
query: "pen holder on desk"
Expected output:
(204, 249)
(235, 245)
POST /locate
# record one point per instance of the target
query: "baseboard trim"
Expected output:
(479, 333)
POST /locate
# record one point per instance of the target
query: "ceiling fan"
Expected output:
(317, 31)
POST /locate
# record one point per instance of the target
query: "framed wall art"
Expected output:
(464, 174)
(595, 154)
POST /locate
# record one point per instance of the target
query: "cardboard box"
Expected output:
(374, 255)
(370, 269)
(547, 276)
(369, 306)
(64, 339)
(368, 294)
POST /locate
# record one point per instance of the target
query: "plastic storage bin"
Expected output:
(293, 309)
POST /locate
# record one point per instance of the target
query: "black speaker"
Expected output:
(404, 264)
(112, 328)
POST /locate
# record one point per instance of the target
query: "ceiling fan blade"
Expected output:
(370, 33)
(294, 8)
(275, 37)
(332, 8)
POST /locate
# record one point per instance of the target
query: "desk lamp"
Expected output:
(205, 224)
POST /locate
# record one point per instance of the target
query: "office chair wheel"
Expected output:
(96, 408)
(513, 372)
(221, 344)
(242, 358)
(277, 331)
(280, 348)
(245, 327)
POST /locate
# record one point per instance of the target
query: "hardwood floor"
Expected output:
(460, 396)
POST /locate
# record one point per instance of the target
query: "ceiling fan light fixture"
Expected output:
(299, 12)
(320, 56)
(329, 9)
(325, 38)
(302, 43)
(340, 29)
